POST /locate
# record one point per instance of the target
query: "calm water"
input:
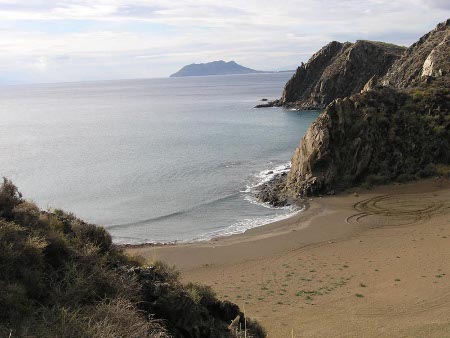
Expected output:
(152, 160)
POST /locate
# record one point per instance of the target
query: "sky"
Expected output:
(79, 40)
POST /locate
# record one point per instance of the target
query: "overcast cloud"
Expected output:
(73, 40)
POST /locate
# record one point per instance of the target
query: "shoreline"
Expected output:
(272, 228)
(380, 255)
(302, 208)
(316, 207)
(262, 193)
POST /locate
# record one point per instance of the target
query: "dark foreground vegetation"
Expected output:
(62, 277)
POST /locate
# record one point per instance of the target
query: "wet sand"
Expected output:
(371, 264)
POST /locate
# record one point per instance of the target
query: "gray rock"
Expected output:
(382, 133)
(338, 70)
(428, 57)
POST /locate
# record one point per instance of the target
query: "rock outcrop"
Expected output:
(396, 129)
(380, 135)
(338, 70)
(428, 57)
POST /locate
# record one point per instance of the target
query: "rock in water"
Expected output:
(272, 192)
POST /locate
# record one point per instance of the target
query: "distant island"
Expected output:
(214, 68)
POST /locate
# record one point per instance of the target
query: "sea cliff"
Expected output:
(395, 128)
(336, 71)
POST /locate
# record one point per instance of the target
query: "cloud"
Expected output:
(443, 4)
(148, 38)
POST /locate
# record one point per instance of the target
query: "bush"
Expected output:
(376, 179)
(403, 178)
(121, 318)
(89, 233)
(201, 293)
(428, 171)
(26, 214)
(10, 197)
(165, 272)
(62, 277)
(373, 180)
(443, 170)
(253, 330)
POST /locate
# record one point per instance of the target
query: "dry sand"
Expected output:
(375, 264)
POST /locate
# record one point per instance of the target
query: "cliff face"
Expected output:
(381, 135)
(428, 57)
(384, 133)
(338, 70)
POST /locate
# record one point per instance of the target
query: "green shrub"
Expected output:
(253, 330)
(403, 178)
(166, 272)
(62, 277)
(26, 214)
(10, 197)
(200, 293)
(373, 180)
(89, 233)
(428, 171)
(443, 170)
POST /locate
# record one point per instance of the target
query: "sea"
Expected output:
(155, 160)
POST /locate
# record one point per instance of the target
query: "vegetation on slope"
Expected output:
(378, 136)
(62, 277)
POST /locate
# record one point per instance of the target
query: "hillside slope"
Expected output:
(62, 277)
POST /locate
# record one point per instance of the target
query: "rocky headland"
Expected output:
(391, 122)
(337, 70)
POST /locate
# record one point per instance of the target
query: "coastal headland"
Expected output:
(359, 264)
(355, 262)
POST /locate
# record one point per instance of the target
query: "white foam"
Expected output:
(250, 223)
(267, 175)
(254, 200)
(280, 213)
(246, 224)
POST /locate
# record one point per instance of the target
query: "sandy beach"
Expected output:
(359, 264)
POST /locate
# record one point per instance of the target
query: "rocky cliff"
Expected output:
(396, 130)
(338, 70)
(428, 57)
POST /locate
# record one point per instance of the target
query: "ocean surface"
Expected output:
(156, 160)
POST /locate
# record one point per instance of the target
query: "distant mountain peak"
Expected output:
(213, 68)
